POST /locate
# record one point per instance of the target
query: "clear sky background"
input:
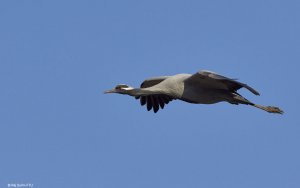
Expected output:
(58, 129)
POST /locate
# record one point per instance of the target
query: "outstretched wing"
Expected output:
(210, 79)
(154, 101)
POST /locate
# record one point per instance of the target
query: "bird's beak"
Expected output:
(110, 91)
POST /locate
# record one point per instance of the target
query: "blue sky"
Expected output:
(58, 129)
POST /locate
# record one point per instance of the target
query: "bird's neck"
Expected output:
(141, 92)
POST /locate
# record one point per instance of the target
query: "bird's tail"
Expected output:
(270, 109)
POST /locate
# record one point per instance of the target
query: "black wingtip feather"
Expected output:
(149, 103)
(155, 103)
(161, 102)
(143, 100)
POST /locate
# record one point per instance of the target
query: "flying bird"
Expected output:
(203, 87)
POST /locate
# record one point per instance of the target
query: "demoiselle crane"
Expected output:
(204, 87)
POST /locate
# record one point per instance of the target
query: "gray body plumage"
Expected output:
(203, 87)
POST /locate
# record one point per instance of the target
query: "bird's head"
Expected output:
(121, 89)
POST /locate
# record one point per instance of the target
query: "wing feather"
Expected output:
(149, 103)
(210, 79)
(161, 102)
(155, 103)
(153, 81)
(143, 100)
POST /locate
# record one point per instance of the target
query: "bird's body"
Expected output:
(204, 87)
(178, 87)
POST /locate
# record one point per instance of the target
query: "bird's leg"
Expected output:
(270, 109)
(238, 99)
